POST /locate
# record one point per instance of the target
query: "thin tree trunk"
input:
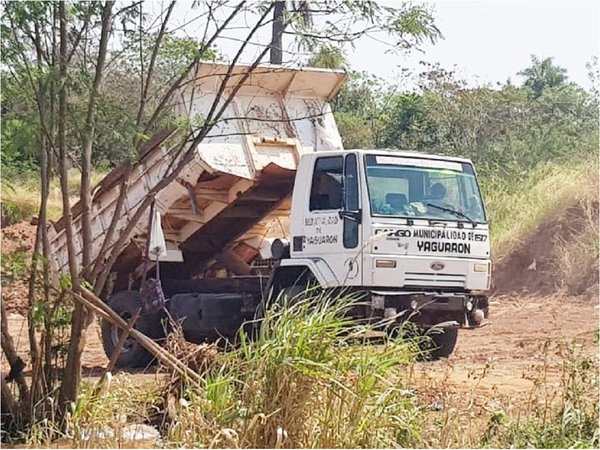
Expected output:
(150, 74)
(72, 375)
(8, 347)
(276, 56)
(88, 141)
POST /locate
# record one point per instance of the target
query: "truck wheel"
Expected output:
(442, 343)
(291, 294)
(125, 304)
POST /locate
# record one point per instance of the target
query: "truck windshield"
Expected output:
(423, 188)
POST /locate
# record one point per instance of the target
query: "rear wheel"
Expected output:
(125, 304)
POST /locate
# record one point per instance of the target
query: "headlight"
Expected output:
(385, 263)
(481, 267)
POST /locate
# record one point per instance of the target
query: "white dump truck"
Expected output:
(272, 203)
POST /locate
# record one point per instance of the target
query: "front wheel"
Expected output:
(125, 304)
(441, 342)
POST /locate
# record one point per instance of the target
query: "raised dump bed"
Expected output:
(234, 196)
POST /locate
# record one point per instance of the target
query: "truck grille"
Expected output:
(434, 279)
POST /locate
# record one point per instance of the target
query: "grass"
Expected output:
(21, 195)
(517, 207)
(559, 411)
(307, 382)
(302, 383)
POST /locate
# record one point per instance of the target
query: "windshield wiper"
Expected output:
(455, 212)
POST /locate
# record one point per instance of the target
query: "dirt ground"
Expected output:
(502, 357)
(527, 334)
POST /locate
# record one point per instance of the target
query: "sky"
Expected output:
(485, 41)
(491, 40)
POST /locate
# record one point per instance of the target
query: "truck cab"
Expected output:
(409, 229)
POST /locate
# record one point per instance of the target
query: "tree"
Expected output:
(542, 74)
(328, 57)
(323, 23)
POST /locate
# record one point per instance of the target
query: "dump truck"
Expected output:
(272, 203)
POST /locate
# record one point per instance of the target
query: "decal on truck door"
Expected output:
(318, 230)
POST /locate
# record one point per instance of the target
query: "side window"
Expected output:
(351, 183)
(351, 203)
(326, 189)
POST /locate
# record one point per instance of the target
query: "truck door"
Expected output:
(329, 234)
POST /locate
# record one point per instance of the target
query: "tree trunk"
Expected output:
(72, 374)
(88, 141)
(276, 56)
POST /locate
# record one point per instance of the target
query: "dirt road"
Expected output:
(516, 360)
(503, 357)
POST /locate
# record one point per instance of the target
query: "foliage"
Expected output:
(306, 381)
(360, 110)
(14, 266)
(505, 130)
(328, 57)
(543, 74)
(406, 25)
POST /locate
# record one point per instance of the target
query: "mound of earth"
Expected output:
(560, 255)
(16, 239)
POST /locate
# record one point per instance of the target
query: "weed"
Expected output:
(303, 382)
(14, 266)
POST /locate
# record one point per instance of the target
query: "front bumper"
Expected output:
(465, 310)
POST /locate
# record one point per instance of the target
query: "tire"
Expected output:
(133, 355)
(441, 343)
(291, 294)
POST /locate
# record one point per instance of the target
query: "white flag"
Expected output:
(158, 246)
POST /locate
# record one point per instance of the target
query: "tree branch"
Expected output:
(150, 74)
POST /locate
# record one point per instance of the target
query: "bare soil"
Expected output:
(527, 335)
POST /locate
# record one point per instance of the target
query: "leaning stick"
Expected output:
(119, 348)
(94, 303)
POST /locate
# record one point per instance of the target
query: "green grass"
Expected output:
(304, 382)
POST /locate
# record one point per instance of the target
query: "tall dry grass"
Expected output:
(305, 381)
(576, 259)
(517, 206)
(21, 195)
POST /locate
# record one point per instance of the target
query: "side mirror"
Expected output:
(354, 216)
